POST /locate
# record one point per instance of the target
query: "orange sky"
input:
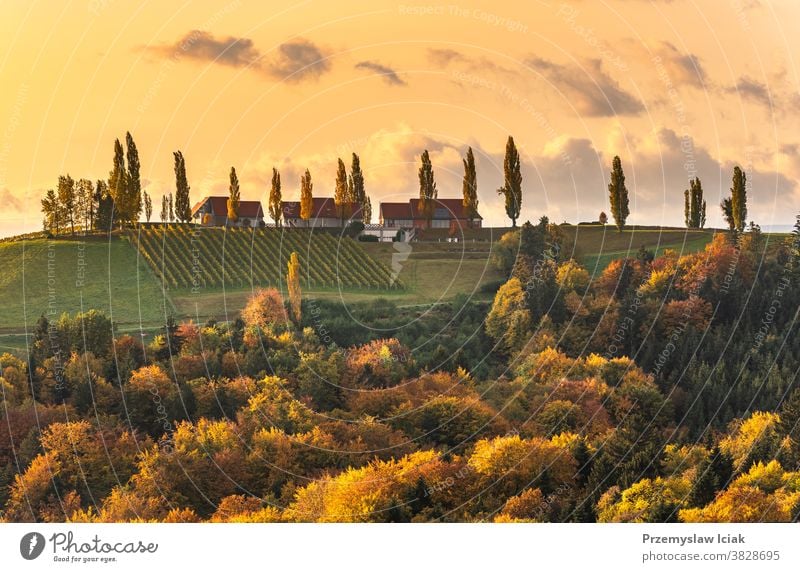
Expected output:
(676, 88)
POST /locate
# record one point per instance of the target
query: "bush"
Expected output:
(367, 238)
(354, 228)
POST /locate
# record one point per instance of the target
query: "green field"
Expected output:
(70, 275)
(110, 274)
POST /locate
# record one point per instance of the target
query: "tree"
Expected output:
(85, 204)
(512, 188)
(171, 210)
(694, 205)
(509, 320)
(293, 285)
(50, 210)
(727, 213)
(164, 209)
(739, 199)
(133, 203)
(275, 210)
(341, 194)
(105, 206)
(183, 211)
(306, 198)
(233, 198)
(118, 182)
(66, 200)
(148, 206)
(357, 193)
(618, 194)
(427, 187)
(603, 218)
(366, 213)
(263, 308)
(469, 188)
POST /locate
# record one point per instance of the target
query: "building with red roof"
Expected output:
(324, 213)
(447, 213)
(213, 211)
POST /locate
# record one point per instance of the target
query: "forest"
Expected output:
(662, 390)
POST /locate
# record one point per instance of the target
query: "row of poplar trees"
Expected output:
(119, 200)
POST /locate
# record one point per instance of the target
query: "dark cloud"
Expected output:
(753, 90)
(590, 89)
(201, 45)
(292, 61)
(389, 75)
(296, 60)
(442, 57)
(682, 68)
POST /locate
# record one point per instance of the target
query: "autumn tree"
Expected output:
(469, 188)
(341, 192)
(133, 192)
(509, 320)
(366, 213)
(694, 205)
(170, 208)
(427, 187)
(233, 198)
(264, 307)
(86, 205)
(618, 194)
(183, 210)
(306, 198)
(603, 218)
(148, 206)
(293, 285)
(275, 205)
(164, 209)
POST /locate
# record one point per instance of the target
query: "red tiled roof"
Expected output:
(219, 207)
(443, 209)
(323, 207)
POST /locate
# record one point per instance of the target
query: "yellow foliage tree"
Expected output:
(293, 284)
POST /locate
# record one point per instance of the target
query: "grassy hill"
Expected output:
(70, 275)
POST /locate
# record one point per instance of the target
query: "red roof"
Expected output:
(219, 207)
(443, 209)
(323, 207)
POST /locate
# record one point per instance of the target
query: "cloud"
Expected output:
(292, 61)
(389, 75)
(682, 68)
(10, 201)
(590, 89)
(297, 60)
(443, 57)
(201, 45)
(753, 90)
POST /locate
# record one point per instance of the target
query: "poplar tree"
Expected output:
(427, 187)
(233, 198)
(275, 210)
(469, 188)
(183, 210)
(105, 206)
(618, 194)
(164, 209)
(341, 192)
(357, 193)
(133, 190)
(512, 187)
(66, 200)
(306, 198)
(739, 199)
(118, 183)
(148, 206)
(293, 285)
(694, 205)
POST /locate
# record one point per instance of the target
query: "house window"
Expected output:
(440, 223)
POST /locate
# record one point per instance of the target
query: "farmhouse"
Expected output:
(447, 213)
(213, 211)
(323, 214)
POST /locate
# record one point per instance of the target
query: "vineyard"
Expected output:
(186, 257)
